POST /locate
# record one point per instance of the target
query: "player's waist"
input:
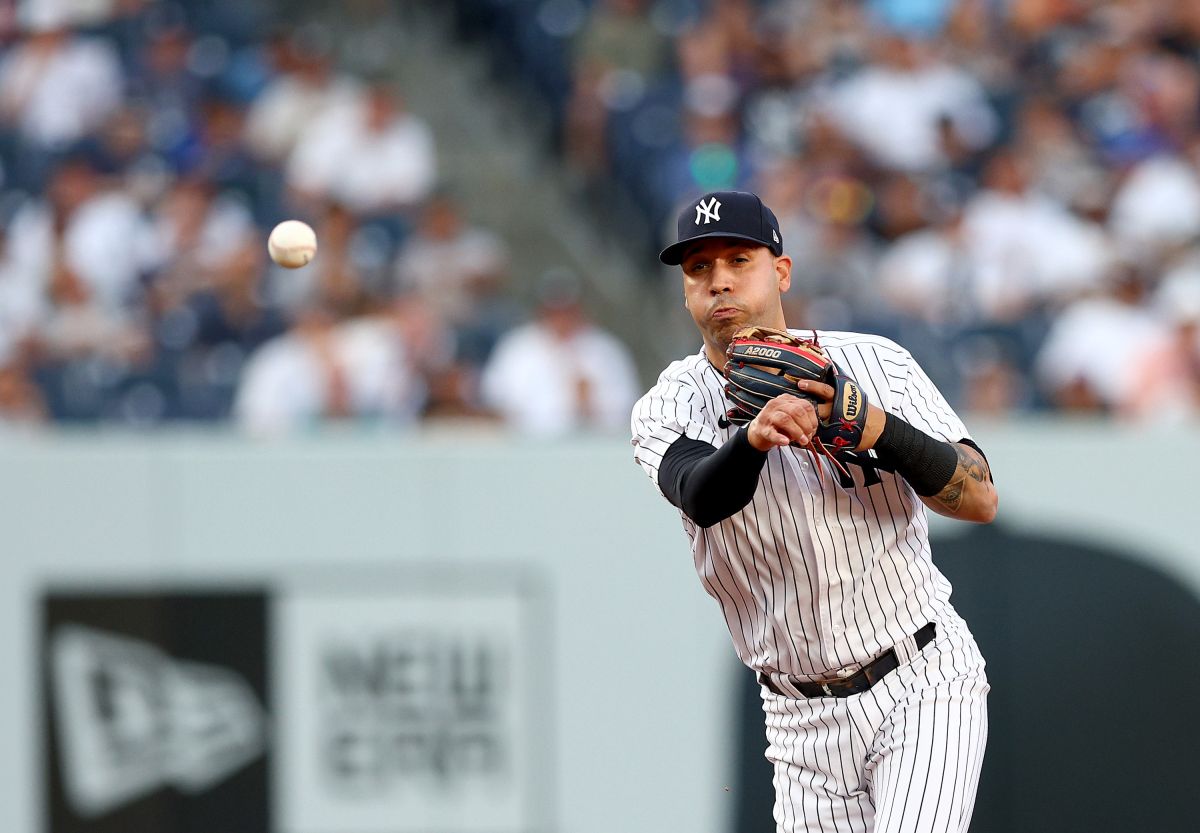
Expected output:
(853, 679)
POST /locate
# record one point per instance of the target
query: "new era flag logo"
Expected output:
(708, 212)
(133, 719)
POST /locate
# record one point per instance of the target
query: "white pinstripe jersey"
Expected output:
(812, 577)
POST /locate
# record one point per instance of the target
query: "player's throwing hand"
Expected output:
(784, 420)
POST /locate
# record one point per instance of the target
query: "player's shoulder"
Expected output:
(682, 378)
(685, 372)
(845, 341)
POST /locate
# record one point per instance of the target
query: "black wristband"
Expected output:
(925, 462)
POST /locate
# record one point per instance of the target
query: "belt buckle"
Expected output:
(825, 688)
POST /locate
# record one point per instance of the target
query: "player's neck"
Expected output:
(715, 354)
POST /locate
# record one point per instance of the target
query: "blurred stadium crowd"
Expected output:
(1009, 189)
(147, 148)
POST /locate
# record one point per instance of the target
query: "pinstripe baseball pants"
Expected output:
(901, 757)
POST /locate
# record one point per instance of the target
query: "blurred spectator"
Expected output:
(1165, 384)
(374, 157)
(459, 271)
(80, 247)
(910, 92)
(56, 86)
(305, 87)
(617, 54)
(165, 86)
(21, 402)
(560, 373)
(347, 277)
(1058, 161)
(22, 303)
(208, 339)
(215, 151)
(1157, 207)
(121, 146)
(321, 370)
(192, 232)
(1026, 249)
(710, 155)
(446, 260)
(930, 275)
(231, 309)
(1078, 366)
(719, 56)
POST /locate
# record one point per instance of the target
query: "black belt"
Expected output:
(864, 678)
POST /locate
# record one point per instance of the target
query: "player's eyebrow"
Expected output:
(733, 247)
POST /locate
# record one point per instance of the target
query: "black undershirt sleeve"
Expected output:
(711, 484)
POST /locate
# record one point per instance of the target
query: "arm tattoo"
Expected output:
(970, 465)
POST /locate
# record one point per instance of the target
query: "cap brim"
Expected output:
(673, 254)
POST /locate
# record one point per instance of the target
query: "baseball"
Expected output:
(292, 244)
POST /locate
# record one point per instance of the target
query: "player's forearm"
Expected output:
(970, 494)
(952, 479)
(711, 484)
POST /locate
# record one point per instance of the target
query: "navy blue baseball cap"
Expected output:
(737, 214)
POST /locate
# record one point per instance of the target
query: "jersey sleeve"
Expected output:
(922, 405)
(672, 409)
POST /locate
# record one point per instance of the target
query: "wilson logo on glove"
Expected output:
(850, 401)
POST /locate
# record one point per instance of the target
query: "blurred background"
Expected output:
(360, 548)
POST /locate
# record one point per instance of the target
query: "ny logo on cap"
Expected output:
(709, 212)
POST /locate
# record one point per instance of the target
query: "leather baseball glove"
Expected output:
(763, 362)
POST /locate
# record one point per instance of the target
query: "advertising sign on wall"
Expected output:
(413, 703)
(155, 711)
(406, 711)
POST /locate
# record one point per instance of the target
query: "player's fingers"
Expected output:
(791, 404)
(780, 438)
(798, 421)
(818, 389)
(820, 409)
(765, 429)
(802, 412)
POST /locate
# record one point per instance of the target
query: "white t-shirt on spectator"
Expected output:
(103, 244)
(1157, 205)
(280, 114)
(532, 378)
(284, 385)
(918, 274)
(1080, 346)
(894, 115)
(337, 158)
(21, 308)
(225, 228)
(1178, 294)
(57, 99)
(441, 271)
(1030, 249)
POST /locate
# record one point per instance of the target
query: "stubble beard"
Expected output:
(721, 333)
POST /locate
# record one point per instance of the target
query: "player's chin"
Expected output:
(722, 331)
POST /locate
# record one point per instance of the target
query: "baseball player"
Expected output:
(872, 685)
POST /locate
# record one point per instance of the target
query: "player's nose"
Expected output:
(722, 279)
